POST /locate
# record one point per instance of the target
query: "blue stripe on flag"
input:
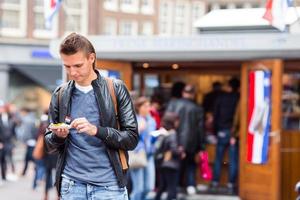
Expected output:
(267, 98)
(290, 3)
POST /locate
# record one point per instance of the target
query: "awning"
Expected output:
(47, 76)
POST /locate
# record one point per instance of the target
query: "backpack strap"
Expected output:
(113, 96)
(60, 93)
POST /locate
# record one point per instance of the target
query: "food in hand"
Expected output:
(59, 125)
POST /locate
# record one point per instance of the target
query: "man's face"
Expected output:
(79, 67)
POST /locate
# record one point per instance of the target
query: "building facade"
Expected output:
(24, 19)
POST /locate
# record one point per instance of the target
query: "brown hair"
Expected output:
(139, 102)
(74, 43)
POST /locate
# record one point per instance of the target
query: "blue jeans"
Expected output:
(39, 172)
(73, 190)
(223, 143)
(150, 175)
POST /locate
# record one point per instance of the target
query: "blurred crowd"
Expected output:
(23, 127)
(172, 134)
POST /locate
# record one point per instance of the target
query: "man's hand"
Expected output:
(60, 132)
(82, 125)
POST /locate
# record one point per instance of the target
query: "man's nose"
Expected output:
(72, 71)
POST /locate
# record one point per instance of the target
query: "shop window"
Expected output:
(291, 102)
(151, 82)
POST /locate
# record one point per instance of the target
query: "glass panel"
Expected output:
(73, 23)
(39, 22)
(11, 1)
(291, 101)
(39, 3)
(151, 82)
(10, 19)
(76, 4)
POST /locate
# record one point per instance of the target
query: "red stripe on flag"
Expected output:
(250, 112)
(53, 3)
(268, 14)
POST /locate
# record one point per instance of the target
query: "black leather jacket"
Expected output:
(126, 138)
(190, 131)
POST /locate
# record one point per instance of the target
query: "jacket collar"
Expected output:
(99, 80)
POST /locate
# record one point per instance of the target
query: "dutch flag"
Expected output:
(276, 12)
(51, 7)
(259, 112)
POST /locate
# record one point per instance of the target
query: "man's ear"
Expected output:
(92, 57)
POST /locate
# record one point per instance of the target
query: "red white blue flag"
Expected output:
(51, 7)
(259, 113)
(276, 11)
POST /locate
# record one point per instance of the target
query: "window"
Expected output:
(166, 17)
(151, 81)
(179, 28)
(180, 11)
(128, 28)
(111, 5)
(147, 7)
(110, 26)
(291, 101)
(198, 10)
(163, 27)
(164, 9)
(16, 2)
(13, 18)
(231, 6)
(39, 28)
(147, 28)
(130, 6)
(76, 16)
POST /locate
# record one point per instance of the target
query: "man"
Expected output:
(190, 133)
(89, 165)
(224, 114)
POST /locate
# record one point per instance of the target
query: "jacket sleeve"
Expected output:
(127, 137)
(53, 143)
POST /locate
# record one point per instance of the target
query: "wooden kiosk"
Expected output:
(276, 179)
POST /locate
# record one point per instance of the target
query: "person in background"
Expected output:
(155, 106)
(49, 160)
(2, 143)
(211, 97)
(190, 134)
(12, 116)
(143, 179)
(28, 133)
(171, 157)
(224, 113)
(208, 106)
(8, 130)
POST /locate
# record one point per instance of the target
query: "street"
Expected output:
(21, 189)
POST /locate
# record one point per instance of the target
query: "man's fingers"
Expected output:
(78, 121)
